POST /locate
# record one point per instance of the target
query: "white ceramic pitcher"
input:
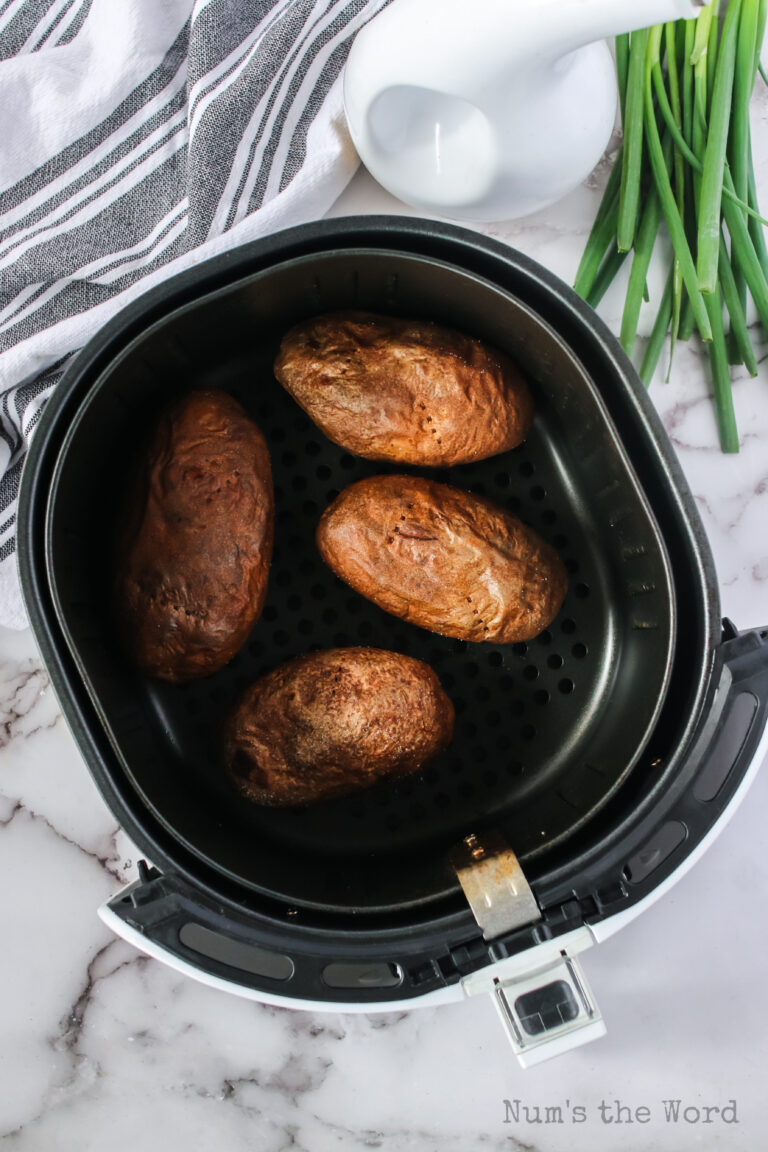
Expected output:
(489, 109)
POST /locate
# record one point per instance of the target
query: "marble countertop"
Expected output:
(101, 1048)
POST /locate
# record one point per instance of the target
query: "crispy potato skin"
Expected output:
(403, 390)
(194, 555)
(329, 723)
(443, 559)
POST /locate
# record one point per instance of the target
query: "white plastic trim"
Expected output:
(612, 924)
(150, 948)
(528, 960)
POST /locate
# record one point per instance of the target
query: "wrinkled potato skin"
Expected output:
(194, 557)
(403, 390)
(443, 559)
(329, 723)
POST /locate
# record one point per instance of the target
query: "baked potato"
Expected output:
(404, 390)
(443, 559)
(196, 540)
(328, 723)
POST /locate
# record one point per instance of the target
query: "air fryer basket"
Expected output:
(368, 922)
(545, 731)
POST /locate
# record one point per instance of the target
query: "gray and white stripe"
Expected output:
(212, 131)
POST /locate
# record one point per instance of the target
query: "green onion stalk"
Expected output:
(685, 170)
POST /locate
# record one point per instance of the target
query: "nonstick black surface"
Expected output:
(545, 732)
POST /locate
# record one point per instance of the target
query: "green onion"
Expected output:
(658, 335)
(605, 276)
(711, 52)
(686, 151)
(633, 143)
(603, 232)
(667, 198)
(622, 68)
(711, 194)
(686, 169)
(670, 43)
(735, 308)
(646, 238)
(726, 417)
(739, 144)
(755, 225)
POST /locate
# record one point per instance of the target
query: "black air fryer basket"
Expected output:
(601, 753)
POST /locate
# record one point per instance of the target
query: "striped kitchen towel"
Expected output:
(138, 137)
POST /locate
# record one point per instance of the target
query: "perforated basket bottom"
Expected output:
(520, 709)
(545, 731)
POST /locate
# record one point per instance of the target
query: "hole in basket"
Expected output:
(312, 448)
(572, 566)
(581, 591)
(527, 731)
(566, 687)
(579, 651)
(317, 592)
(495, 659)
(347, 462)
(555, 660)
(526, 468)
(471, 669)
(515, 768)
(330, 616)
(537, 492)
(568, 626)
(298, 483)
(501, 479)
(548, 517)
(531, 672)
(294, 603)
(323, 472)
(541, 697)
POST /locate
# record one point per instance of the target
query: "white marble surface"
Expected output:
(103, 1049)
